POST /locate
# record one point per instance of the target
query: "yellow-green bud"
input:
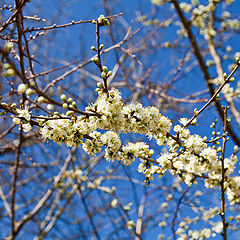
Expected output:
(22, 88)
(95, 60)
(30, 91)
(69, 100)
(74, 104)
(32, 83)
(41, 99)
(50, 106)
(98, 89)
(63, 97)
(6, 66)
(99, 84)
(10, 73)
(106, 23)
(109, 73)
(56, 113)
(9, 46)
(210, 63)
(167, 44)
(103, 74)
(225, 75)
(228, 49)
(196, 111)
(14, 106)
(93, 48)
(65, 105)
(69, 113)
(104, 68)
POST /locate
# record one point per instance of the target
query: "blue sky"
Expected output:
(60, 47)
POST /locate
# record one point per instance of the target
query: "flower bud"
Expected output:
(14, 106)
(69, 100)
(6, 66)
(32, 83)
(196, 111)
(50, 106)
(8, 46)
(69, 113)
(109, 73)
(99, 84)
(22, 88)
(93, 48)
(63, 97)
(65, 105)
(10, 73)
(56, 114)
(30, 91)
(41, 99)
(95, 60)
(104, 68)
(74, 104)
(103, 74)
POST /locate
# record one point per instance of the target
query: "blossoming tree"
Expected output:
(57, 132)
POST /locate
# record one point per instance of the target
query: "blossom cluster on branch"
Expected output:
(188, 155)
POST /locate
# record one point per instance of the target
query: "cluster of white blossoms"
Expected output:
(190, 156)
(111, 114)
(26, 116)
(187, 155)
(233, 190)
